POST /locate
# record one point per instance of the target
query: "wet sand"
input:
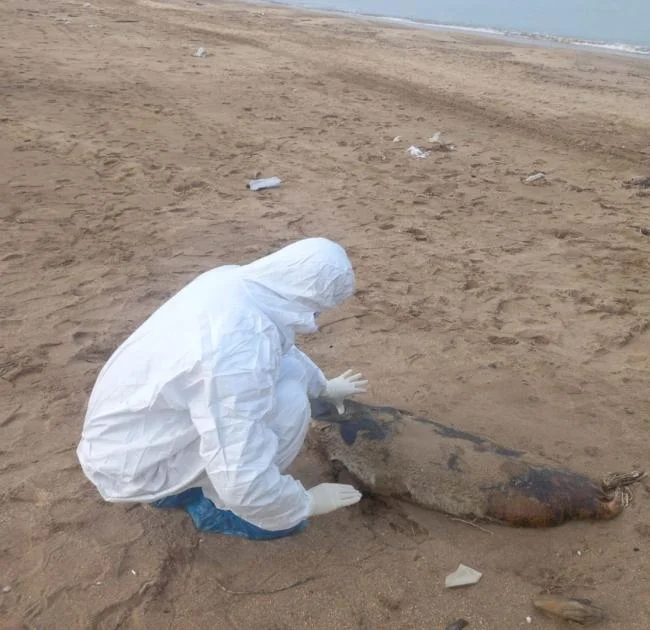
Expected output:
(520, 312)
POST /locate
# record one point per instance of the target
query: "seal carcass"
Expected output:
(394, 453)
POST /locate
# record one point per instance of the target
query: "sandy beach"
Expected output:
(520, 311)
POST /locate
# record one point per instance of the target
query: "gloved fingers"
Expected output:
(349, 377)
(345, 489)
(349, 501)
(356, 389)
(355, 381)
(327, 497)
(348, 384)
(348, 495)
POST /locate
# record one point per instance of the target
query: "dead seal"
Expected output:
(397, 454)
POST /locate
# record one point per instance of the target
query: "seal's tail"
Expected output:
(616, 487)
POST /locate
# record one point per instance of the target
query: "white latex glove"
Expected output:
(327, 497)
(347, 384)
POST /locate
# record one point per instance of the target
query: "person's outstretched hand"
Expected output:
(347, 384)
(328, 497)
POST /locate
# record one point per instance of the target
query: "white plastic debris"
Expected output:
(133, 572)
(416, 152)
(462, 576)
(259, 184)
(6, 589)
(439, 144)
(535, 178)
(200, 52)
(529, 620)
(397, 139)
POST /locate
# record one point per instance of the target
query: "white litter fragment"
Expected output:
(6, 589)
(397, 139)
(439, 144)
(133, 572)
(200, 52)
(259, 184)
(529, 620)
(462, 576)
(535, 178)
(416, 152)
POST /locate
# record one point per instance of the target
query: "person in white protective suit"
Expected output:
(206, 404)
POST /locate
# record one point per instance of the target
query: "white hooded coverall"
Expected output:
(212, 391)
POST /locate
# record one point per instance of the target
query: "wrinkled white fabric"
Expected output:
(213, 385)
(291, 399)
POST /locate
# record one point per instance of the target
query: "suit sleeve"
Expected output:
(229, 403)
(316, 380)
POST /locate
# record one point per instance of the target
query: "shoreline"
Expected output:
(624, 49)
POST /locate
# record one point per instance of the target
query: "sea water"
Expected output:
(622, 25)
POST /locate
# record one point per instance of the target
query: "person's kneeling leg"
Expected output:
(207, 517)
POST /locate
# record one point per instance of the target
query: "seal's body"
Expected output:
(394, 453)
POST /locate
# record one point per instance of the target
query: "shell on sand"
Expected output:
(394, 453)
(570, 608)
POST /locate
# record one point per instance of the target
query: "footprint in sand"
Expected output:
(500, 340)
